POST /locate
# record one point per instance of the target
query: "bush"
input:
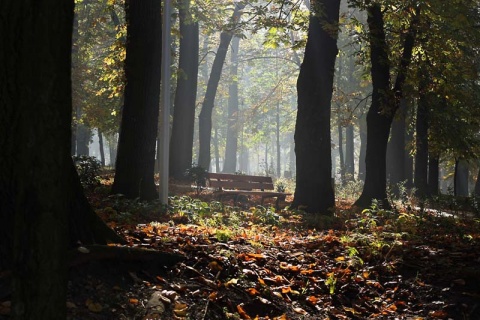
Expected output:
(198, 176)
(88, 169)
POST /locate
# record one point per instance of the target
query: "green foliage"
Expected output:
(198, 176)
(88, 169)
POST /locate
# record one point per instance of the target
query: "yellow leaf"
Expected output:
(300, 311)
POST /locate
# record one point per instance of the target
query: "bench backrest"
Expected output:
(240, 182)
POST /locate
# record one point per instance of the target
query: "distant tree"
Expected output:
(385, 101)
(205, 117)
(181, 143)
(314, 191)
(134, 175)
(230, 164)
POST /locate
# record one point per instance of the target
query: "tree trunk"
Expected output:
(421, 145)
(340, 152)
(100, 145)
(205, 117)
(363, 147)
(408, 160)
(477, 185)
(216, 150)
(134, 176)
(314, 191)
(396, 149)
(35, 132)
(181, 143)
(349, 153)
(278, 146)
(385, 102)
(461, 178)
(230, 164)
(433, 174)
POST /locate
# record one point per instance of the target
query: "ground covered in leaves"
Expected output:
(251, 262)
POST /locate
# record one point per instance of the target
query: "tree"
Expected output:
(385, 101)
(205, 117)
(313, 190)
(232, 121)
(42, 206)
(134, 175)
(36, 106)
(181, 142)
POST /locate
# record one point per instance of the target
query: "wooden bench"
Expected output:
(236, 185)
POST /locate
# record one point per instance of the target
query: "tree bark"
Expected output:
(433, 174)
(230, 164)
(461, 178)
(340, 152)
(205, 117)
(477, 185)
(396, 149)
(134, 176)
(363, 147)
(181, 143)
(421, 145)
(385, 102)
(100, 145)
(314, 191)
(35, 133)
(349, 153)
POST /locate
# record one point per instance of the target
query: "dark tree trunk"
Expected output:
(42, 205)
(461, 178)
(421, 145)
(134, 176)
(230, 164)
(83, 135)
(433, 174)
(205, 117)
(385, 102)
(396, 149)
(181, 143)
(349, 153)
(100, 145)
(314, 191)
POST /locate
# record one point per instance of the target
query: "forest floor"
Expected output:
(251, 262)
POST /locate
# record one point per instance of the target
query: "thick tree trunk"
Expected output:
(421, 145)
(205, 117)
(461, 178)
(385, 102)
(433, 174)
(314, 192)
(230, 164)
(134, 176)
(35, 132)
(349, 153)
(181, 143)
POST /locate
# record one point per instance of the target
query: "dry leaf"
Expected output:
(300, 311)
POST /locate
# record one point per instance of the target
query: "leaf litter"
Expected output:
(285, 271)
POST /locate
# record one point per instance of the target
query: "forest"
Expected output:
(240, 159)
